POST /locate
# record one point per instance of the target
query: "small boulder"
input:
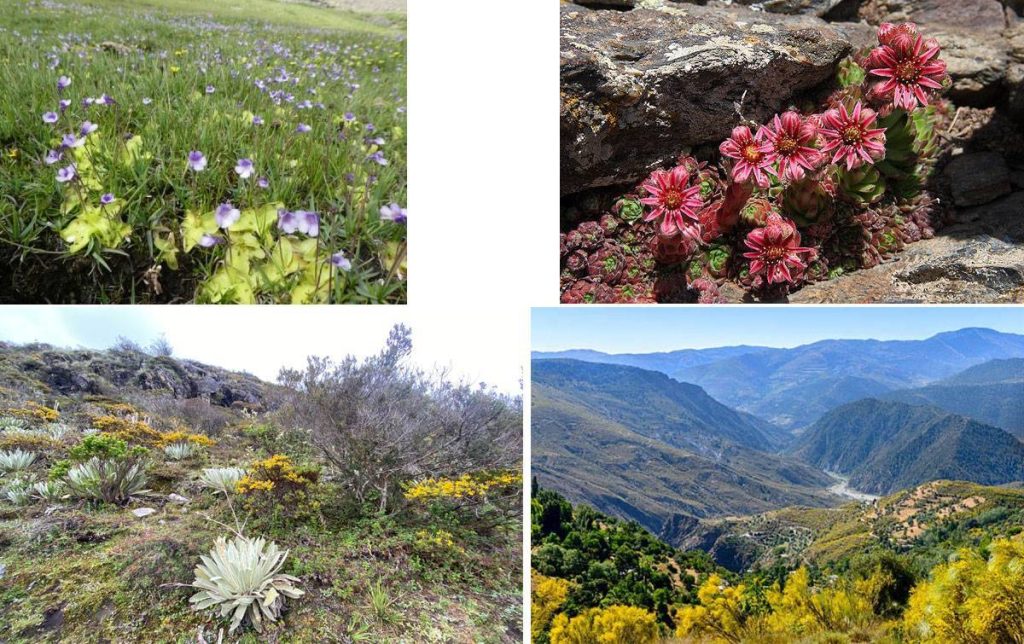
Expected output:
(978, 178)
(143, 512)
(177, 498)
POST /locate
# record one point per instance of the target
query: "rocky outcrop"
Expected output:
(68, 372)
(639, 87)
(979, 259)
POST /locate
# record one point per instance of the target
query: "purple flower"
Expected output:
(376, 140)
(338, 260)
(263, 182)
(50, 117)
(370, 128)
(64, 104)
(244, 168)
(196, 160)
(63, 83)
(349, 116)
(257, 120)
(226, 214)
(287, 221)
(307, 222)
(210, 89)
(302, 127)
(53, 156)
(88, 128)
(108, 199)
(146, 100)
(70, 141)
(106, 100)
(394, 212)
(209, 241)
(67, 173)
(87, 101)
(377, 157)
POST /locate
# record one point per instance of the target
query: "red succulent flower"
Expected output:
(911, 70)
(791, 138)
(752, 154)
(672, 199)
(894, 35)
(775, 251)
(851, 136)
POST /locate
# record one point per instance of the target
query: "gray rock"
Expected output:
(177, 498)
(831, 9)
(978, 178)
(980, 260)
(639, 87)
(143, 512)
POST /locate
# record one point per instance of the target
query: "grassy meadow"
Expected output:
(179, 151)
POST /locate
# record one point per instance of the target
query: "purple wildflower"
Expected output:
(106, 100)
(302, 127)
(108, 199)
(63, 83)
(71, 141)
(146, 100)
(64, 104)
(88, 128)
(209, 241)
(210, 89)
(287, 221)
(377, 157)
(67, 173)
(244, 168)
(257, 120)
(349, 116)
(338, 260)
(393, 212)
(53, 156)
(307, 222)
(226, 214)
(196, 160)
(50, 117)
(263, 182)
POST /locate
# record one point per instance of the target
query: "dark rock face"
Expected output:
(71, 372)
(638, 87)
(978, 178)
(822, 8)
(980, 259)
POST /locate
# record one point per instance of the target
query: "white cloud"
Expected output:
(475, 345)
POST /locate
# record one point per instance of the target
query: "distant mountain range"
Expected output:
(887, 446)
(792, 388)
(991, 393)
(641, 446)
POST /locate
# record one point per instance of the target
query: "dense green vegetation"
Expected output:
(943, 563)
(139, 464)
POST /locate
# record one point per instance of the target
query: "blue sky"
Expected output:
(261, 339)
(628, 329)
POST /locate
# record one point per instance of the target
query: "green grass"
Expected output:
(59, 244)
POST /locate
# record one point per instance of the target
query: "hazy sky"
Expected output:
(476, 344)
(648, 329)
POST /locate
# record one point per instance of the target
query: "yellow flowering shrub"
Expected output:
(611, 625)
(179, 436)
(127, 429)
(277, 490)
(34, 411)
(547, 595)
(276, 473)
(434, 542)
(477, 484)
(719, 616)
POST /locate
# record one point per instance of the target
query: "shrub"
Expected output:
(548, 594)
(99, 446)
(380, 422)
(108, 481)
(127, 429)
(611, 625)
(34, 411)
(179, 436)
(179, 451)
(274, 488)
(49, 491)
(240, 577)
(18, 491)
(16, 460)
(222, 479)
